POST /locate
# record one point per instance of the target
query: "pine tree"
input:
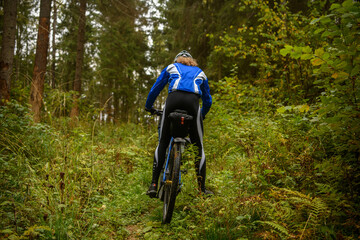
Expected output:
(7, 48)
(79, 59)
(37, 87)
(122, 59)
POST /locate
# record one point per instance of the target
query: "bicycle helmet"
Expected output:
(183, 53)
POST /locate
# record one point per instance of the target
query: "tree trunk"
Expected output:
(79, 60)
(7, 48)
(53, 47)
(17, 61)
(42, 45)
(116, 100)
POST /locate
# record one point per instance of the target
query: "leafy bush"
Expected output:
(25, 147)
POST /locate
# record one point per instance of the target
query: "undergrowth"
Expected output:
(270, 173)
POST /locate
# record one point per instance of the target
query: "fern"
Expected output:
(300, 201)
(316, 205)
(301, 213)
(277, 227)
(318, 208)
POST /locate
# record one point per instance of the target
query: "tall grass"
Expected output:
(89, 181)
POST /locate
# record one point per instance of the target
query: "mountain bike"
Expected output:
(170, 177)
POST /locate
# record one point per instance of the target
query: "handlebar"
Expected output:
(154, 111)
(158, 112)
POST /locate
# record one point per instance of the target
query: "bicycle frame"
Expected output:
(170, 184)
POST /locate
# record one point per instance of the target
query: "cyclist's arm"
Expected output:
(160, 83)
(206, 98)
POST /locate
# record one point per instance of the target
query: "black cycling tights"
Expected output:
(190, 103)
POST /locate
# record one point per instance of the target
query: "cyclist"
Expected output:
(187, 84)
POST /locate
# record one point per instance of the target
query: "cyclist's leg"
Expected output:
(164, 139)
(159, 156)
(196, 135)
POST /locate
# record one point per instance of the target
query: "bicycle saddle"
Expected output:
(179, 126)
(178, 114)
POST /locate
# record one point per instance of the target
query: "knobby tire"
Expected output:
(170, 190)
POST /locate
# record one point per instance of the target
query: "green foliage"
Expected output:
(335, 60)
(73, 183)
(20, 136)
(255, 48)
(281, 139)
(312, 135)
(24, 146)
(267, 176)
(287, 147)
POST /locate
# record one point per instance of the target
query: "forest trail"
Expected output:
(136, 230)
(133, 231)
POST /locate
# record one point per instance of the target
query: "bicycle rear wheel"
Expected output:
(171, 183)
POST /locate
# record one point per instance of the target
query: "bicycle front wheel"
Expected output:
(172, 183)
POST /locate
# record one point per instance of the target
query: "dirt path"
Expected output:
(133, 230)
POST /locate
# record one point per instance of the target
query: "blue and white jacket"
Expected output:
(182, 78)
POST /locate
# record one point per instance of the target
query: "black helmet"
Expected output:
(183, 53)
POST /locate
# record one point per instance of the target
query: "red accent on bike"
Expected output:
(182, 120)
